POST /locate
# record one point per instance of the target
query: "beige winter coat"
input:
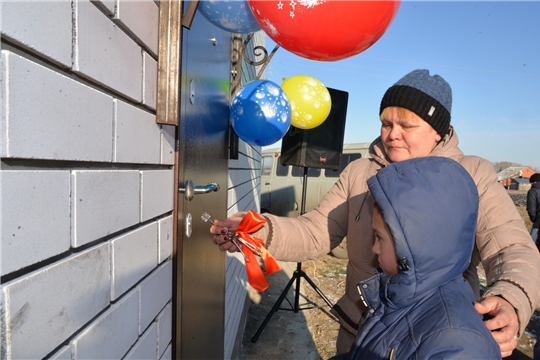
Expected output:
(508, 255)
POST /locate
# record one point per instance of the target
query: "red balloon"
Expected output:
(325, 30)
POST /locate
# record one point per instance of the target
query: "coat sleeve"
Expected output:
(455, 343)
(509, 257)
(532, 202)
(315, 233)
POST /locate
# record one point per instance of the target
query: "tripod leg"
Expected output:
(274, 309)
(304, 275)
(297, 274)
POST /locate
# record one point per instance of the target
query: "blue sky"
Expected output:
(488, 51)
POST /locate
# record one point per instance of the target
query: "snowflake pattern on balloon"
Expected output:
(305, 3)
(324, 30)
(260, 113)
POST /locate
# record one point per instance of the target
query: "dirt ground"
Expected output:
(328, 273)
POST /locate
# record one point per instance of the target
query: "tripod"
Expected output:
(297, 275)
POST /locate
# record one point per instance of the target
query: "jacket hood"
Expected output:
(431, 206)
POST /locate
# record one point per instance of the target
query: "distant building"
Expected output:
(515, 177)
(520, 184)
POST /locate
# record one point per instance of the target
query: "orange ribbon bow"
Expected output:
(257, 279)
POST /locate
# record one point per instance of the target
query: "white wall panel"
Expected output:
(48, 306)
(165, 237)
(149, 81)
(141, 17)
(112, 334)
(43, 27)
(168, 144)
(156, 193)
(164, 329)
(146, 346)
(35, 217)
(137, 136)
(133, 255)
(66, 120)
(103, 202)
(104, 53)
(156, 292)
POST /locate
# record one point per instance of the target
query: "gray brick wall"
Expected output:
(87, 183)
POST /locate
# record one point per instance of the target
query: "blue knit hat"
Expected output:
(429, 97)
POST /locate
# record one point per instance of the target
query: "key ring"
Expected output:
(232, 237)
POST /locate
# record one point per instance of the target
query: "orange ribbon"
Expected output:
(249, 224)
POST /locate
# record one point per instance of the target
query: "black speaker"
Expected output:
(320, 147)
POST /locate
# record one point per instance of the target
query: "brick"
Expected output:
(164, 329)
(235, 295)
(231, 178)
(149, 81)
(167, 355)
(63, 354)
(41, 27)
(156, 193)
(99, 41)
(66, 120)
(165, 238)
(4, 101)
(133, 255)
(233, 194)
(46, 307)
(35, 217)
(137, 136)
(156, 292)
(107, 6)
(233, 209)
(167, 144)
(112, 334)
(142, 19)
(103, 202)
(146, 346)
(4, 335)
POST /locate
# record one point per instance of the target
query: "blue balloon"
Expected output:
(230, 15)
(260, 113)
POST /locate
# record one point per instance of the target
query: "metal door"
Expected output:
(202, 134)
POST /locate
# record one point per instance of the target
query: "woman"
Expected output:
(415, 122)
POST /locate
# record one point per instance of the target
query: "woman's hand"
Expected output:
(503, 322)
(222, 230)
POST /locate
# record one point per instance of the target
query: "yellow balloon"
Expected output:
(309, 100)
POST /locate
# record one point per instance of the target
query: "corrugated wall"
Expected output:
(243, 194)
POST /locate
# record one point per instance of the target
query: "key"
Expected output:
(207, 218)
(232, 237)
(250, 246)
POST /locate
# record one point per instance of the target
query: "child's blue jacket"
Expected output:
(426, 311)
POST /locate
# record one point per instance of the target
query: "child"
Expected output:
(420, 306)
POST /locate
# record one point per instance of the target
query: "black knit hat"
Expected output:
(534, 178)
(429, 97)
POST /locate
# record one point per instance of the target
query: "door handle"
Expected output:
(190, 190)
(266, 183)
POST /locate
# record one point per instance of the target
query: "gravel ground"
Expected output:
(519, 197)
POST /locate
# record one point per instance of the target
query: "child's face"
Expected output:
(384, 246)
